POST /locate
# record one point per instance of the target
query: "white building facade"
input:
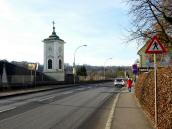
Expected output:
(54, 57)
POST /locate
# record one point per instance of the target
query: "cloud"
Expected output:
(24, 24)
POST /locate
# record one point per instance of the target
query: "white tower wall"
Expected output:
(54, 51)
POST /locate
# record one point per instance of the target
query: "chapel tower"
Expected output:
(54, 56)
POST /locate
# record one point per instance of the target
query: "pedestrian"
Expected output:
(129, 84)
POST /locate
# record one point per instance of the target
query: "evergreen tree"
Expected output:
(81, 71)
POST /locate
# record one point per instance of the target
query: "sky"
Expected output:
(100, 24)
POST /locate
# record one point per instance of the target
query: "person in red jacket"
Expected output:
(129, 84)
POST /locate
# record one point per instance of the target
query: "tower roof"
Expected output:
(53, 36)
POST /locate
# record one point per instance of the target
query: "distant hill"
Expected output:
(111, 71)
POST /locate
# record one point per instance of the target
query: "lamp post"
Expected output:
(36, 68)
(74, 69)
(104, 66)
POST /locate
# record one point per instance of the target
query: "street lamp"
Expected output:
(104, 65)
(74, 69)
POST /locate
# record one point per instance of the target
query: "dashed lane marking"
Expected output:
(68, 92)
(46, 98)
(7, 109)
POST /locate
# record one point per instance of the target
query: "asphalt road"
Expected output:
(83, 107)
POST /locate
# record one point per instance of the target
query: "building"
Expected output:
(146, 60)
(54, 56)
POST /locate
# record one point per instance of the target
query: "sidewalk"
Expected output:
(128, 114)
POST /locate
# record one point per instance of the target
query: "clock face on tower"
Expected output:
(60, 50)
(50, 49)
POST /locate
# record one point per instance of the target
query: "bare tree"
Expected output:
(150, 17)
(166, 10)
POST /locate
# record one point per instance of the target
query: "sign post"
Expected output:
(135, 70)
(155, 76)
(155, 47)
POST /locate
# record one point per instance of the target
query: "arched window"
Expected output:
(60, 64)
(50, 66)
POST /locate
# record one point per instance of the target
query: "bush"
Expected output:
(145, 94)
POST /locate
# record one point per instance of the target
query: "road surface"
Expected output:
(83, 107)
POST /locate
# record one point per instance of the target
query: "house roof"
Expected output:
(12, 69)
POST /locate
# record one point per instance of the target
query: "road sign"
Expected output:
(145, 69)
(155, 47)
(135, 68)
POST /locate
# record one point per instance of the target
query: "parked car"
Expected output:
(119, 82)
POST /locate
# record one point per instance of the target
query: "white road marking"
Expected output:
(80, 89)
(111, 114)
(68, 92)
(46, 98)
(7, 109)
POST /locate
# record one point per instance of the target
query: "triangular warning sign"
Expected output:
(155, 47)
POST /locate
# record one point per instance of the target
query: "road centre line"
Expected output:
(46, 98)
(68, 92)
(7, 109)
(111, 114)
